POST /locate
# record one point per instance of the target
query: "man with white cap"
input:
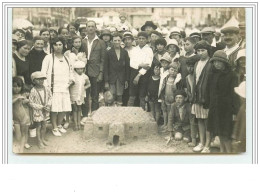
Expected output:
(231, 39)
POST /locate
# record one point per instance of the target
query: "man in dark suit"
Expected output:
(95, 49)
(117, 69)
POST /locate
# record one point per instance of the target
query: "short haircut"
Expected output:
(57, 39)
(190, 39)
(117, 35)
(43, 30)
(60, 29)
(160, 41)
(143, 34)
(91, 21)
(72, 24)
(82, 28)
(36, 38)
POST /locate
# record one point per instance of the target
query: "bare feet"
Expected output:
(40, 145)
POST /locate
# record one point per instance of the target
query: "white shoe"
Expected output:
(198, 148)
(56, 132)
(62, 130)
(66, 125)
(215, 143)
(83, 120)
(205, 150)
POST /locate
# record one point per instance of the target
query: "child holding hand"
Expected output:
(21, 116)
(78, 92)
(40, 101)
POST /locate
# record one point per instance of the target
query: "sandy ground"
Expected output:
(74, 142)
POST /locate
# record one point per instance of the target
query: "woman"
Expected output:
(21, 63)
(59, 73)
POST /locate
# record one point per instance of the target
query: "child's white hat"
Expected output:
(79, 64)
(37, 75)
(241, 89)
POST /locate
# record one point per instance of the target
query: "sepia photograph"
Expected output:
(129, 80)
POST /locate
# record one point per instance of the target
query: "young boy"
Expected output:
(189, 49)
(170, 85)
(191, 61)
(153, 87)
(116, 69)
(179, 118)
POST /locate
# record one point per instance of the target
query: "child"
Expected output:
(164, 72)
(189, 49)
(170, 84)
(21, 116)
(201, 74)
(40, 101)
(179, 118)
(221, 100)
(153, 87)
(173, 50)
(78, 92)
(241, 65)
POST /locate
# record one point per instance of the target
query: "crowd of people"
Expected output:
(193, 85)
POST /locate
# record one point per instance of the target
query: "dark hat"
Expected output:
(148, 23)
(180, 92)
(230, 29)
(142, 33)
(105, 32)
(191, 61)
(202, 45)
(220, 55)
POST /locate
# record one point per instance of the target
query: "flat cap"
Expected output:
(230, 29)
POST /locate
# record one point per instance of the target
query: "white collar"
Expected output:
(214, 43)
(96, 37)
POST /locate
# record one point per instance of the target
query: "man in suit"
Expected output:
(117, 69)
(95, 49)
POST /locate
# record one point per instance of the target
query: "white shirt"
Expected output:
(231, 50)
(200, 66)
(90, 44)
(141, 55)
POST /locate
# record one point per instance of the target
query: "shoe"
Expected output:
(56, 132)
(205, 150)
(61, 129)
(198, 148)
(215, 143)
(27, 146)
(66, 125)
(83, 120)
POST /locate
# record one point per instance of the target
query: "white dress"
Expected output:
(62, 76)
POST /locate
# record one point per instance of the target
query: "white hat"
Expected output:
(241, 53)
(79, 64)
(241, 89)
(173, 42)
(38, 75)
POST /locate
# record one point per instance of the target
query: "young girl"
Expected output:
(21, 117)
(153, 87)
(78, 92)
(201, 75)
(221, 100)
(173, 50)
(40, 101)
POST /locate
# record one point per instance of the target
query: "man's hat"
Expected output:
(230, 29)
(148, 23)
(128, 34)
(180, 92)
(37, 75)
(207, 30)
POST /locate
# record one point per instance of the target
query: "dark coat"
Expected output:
(116, 69)
(221, 101)
(95, 63)
(175, 119)
(199, 92)
(35, 59)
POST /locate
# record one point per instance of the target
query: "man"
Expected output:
(95, 51)
(140, 61)
(242, 28)
(208, 34)
(116, 69)
(45, 34)
(231, 39)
